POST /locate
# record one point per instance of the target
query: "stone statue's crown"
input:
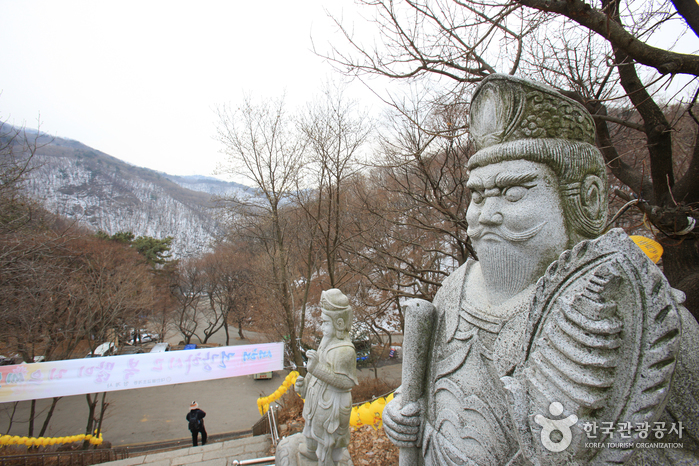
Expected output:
(334, 301)
(505, 109)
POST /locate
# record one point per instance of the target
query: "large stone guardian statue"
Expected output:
(327, 391)
(560, 345)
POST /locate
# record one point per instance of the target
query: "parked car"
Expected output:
(160, 348)
(10, 361)
(105, 349)
(145, 337)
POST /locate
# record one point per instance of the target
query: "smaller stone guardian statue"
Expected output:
(326, 389)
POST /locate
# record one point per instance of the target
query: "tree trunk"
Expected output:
(32, 413)
(103, 409)
(48, 416)
(90, 417)
(681, 267)
(240, 329)
(12, 416)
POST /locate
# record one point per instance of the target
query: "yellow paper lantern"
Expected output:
(651, 248)
(16, 439)
(377, 406)
(354, 418)
(366, 415)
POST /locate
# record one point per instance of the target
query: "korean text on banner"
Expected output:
(111, 373)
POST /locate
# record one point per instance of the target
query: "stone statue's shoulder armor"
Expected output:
(602, 340)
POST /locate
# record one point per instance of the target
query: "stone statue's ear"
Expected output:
(340, 323)
(591, 192)
(586, 207)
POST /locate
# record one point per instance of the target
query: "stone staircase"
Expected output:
(226, 453)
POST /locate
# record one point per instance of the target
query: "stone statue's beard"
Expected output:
(507, 269)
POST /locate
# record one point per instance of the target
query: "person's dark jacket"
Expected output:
(195, 417)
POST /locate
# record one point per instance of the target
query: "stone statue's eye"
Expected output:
(514, 193)
(476, 197)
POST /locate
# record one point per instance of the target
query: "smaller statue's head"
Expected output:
(515, 119)
(336, 314)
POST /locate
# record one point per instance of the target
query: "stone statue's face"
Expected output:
(327, 327)
(516, 223)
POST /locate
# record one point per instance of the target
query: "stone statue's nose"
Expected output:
(490, 213)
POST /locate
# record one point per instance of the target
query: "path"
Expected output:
(158, 413)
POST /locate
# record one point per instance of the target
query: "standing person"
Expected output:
(195, 417)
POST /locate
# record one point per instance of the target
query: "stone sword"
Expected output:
(419, 322)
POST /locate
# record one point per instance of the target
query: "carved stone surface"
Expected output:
(288, 454)
(326, 390)
(561, 345)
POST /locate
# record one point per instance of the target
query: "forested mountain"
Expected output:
(102, 192)
(207, 184)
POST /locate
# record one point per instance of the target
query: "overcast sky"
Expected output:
(140, 80)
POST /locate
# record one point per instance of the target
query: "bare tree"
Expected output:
(230, 277)
(409, 227)
(336, 131)
(460, 42)
(262, 145)
(187, 288)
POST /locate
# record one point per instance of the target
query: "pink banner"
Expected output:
(91, 375)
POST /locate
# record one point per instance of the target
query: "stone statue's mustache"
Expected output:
(505, 233)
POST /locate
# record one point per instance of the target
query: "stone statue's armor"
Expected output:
(327, 408)
(466, 410)
(589, 335)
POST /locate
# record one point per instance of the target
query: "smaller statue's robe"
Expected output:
(327, 408)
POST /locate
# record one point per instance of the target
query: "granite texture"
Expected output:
(327, 391)
(562, 344)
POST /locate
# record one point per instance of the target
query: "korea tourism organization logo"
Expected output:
(549, 426)
(556, 434)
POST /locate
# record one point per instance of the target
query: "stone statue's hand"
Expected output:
(312, 360)
(300, 386)
(402, 426)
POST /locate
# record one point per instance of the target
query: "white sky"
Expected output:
(140, 80)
